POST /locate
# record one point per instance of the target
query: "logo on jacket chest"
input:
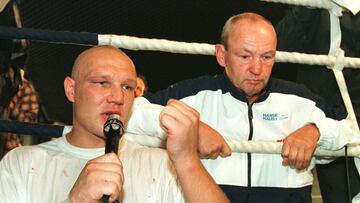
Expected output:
(274, 116)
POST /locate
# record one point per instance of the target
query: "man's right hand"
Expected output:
(102, 175)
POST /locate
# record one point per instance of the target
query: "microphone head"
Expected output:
(113, 122)
(114, 116)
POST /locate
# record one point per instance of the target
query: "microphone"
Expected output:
(113, 131)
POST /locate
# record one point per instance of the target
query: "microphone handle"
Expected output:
(111, 145)
(105, 199)
(112, 142)
(112, 137)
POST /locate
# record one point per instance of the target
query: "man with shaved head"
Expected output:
(73, 168)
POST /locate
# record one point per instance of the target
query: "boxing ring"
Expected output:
(335, 60)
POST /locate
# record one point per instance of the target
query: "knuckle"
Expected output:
(90, 166)
(113, 188)
(197, 114)
(119, 178)
(187, 123)
(206, 151)
(307, 159)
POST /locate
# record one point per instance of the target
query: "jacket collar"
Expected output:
(240, 95)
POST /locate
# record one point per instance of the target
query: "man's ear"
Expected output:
(220, 55)
(69, 87)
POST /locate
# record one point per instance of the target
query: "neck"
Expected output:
(84, 140)
(251, 99)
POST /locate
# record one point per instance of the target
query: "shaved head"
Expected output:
(242, 19)
(86, 58)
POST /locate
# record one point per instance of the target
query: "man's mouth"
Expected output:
(253, 81)
(107, 115)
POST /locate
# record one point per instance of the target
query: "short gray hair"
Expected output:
(248, 16)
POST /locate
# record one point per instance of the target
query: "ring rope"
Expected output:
(38, 129)
(146, 44)
(267, 147)
(250, 146)
(61, 37)
(314, 59)
(136, 43)
(335, 50)
(239, 146)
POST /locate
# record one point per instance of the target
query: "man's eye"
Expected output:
(128, 87)
(244, 56)
(102, 83)
(268, 57)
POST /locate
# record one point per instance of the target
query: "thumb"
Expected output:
(225, 150)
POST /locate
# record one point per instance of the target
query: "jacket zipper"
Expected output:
(250, 117)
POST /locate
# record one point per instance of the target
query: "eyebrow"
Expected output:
(90, 76)
(97, 73)
(130, 81)
(267, 52)
(270, 52)
(108, 77)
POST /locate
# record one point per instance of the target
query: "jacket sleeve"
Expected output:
(334, 125)
(334, 134)
(143, 127)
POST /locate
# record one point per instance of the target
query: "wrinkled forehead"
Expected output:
(256, 33)
(251, 26)
(104, 61)
(108, 71)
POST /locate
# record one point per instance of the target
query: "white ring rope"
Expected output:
(335, 50)
(267, 147)
(314, 59)
(135, 43)
(244, 146)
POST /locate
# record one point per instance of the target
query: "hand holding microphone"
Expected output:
(102, 175)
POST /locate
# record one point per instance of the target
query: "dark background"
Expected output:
(185, 20)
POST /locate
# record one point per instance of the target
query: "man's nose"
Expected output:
(256, 66)
(116, 95)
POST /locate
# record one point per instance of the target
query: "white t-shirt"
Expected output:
(47, 172)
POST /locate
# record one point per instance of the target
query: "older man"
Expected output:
(245, 103)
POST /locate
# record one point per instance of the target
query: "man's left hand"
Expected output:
(299, 146)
